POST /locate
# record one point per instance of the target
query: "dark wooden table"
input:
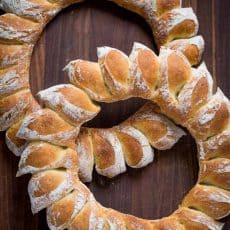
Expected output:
(156, 190)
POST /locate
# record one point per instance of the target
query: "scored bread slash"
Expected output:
(109, 158)
(46, 125)
(73, 104)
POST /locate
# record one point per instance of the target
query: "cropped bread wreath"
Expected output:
(54, 147)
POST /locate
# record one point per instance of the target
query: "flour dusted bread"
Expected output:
(212, 118)
(50, 156)
(177, 21)
(14, 143)
(37, 10)
(129, 142)
(217, 146)
(83, 73)
(160, 131)
(69, 102)
(136, 148)
(23, 31)
(85, 151)
(114, 65)
(168, 20)
(54, 147)
(14, 54)
(193, 219)
(108, 153)
(48, 126)
(196, 92)
(211, 200)
(13, 107)
(216, 172)
(192, 48)
(136, 75)
(48, 186)
(61, 213)
(143, 70)
(109, 150)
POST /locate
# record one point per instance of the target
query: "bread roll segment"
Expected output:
(160, 131)
(212, 118)
(109, 158)
(23, 31)
(192, 48)
(136, 148)
(13, 107)
(85, 151)
(215, 171)
(83, 73)
(14, 143)
(213, 201)
(46, 125)
(61, 213)
(196, 93)
(193, 219)
(48, 136)
(144, 71)
(71, 103)
(48, 186)
(32, 9)
(180, 21)
(50, 157)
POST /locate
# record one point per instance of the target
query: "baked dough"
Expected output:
(49, 137)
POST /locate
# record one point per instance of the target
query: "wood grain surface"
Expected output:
(156, 190)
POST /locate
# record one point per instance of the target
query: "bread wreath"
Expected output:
(47, 135)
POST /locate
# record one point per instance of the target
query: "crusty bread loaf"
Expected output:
(47, 138)
(109, 149)
(118, 77)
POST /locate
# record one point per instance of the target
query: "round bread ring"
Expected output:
(72, 206)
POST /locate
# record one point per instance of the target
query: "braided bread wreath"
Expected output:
(47, 138)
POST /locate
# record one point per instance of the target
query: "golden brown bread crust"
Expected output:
(212, 118)
(71, 103)
(215, 172)
(143, 70)
(40, 155)
(14, 107)
(35, 10)
(84, 148)
(47, 125)
(214, 147)
(135, 146)
(193, 219)
(91, 72)
(115, 70)
(211, 200)
(175, 76)
(53, 130)
(61, 213)
(14, 79)
(177, 21)
(192, 48)
(133, 222)
(168, 223)
(23, 31)
(48, 186)
(161, 132)
(15, 144)
(129, 141)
